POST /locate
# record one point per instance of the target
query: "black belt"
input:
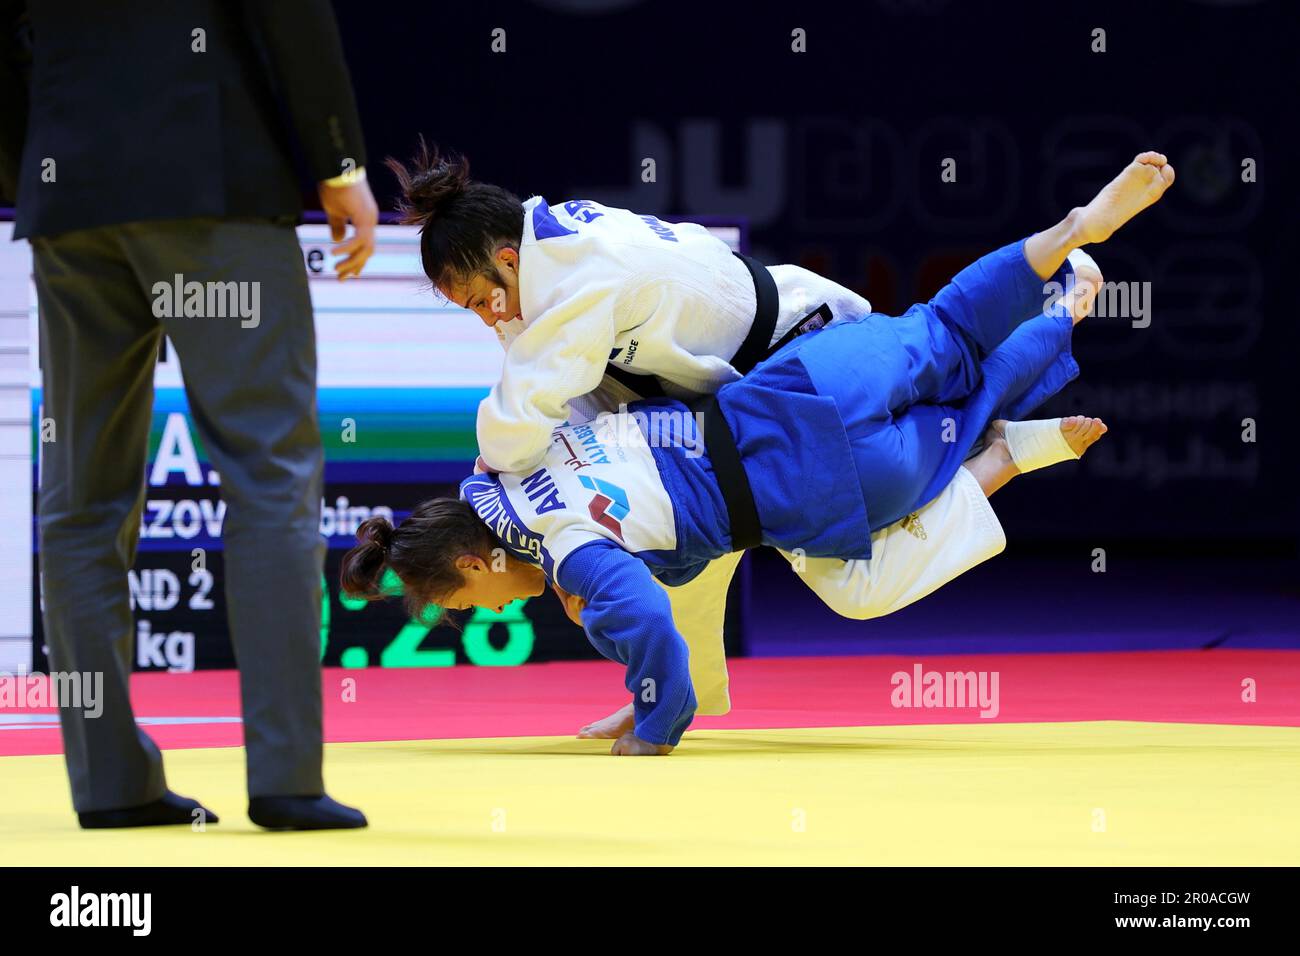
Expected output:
(737, 494)
(758, 341)
(766, 306)
(646, 386)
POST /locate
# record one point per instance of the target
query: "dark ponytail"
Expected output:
(463, 223)
(422, 552)
(364, 566)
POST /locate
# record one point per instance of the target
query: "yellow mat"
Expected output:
(1106, 793)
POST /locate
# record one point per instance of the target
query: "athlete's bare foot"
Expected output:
(612, 727)
(1142, 182)
(993, 467)
(1080, 432)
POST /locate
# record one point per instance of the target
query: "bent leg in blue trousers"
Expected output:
(915, 391)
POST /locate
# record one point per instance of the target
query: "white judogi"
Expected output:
(543, 516)
(602, 285)
(669, 300)
(910, 558)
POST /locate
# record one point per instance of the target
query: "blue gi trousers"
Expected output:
(913, 392)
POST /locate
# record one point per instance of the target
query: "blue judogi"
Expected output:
(843, 432)
(894, 404)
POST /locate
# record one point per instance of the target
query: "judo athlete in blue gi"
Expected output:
(843, 435)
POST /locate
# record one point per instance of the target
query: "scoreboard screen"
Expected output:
(400, 376)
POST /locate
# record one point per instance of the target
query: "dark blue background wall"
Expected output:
(834, 155)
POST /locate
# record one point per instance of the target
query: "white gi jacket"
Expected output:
(604, 286)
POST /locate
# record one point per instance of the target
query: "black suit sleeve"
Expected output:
(14, 65)
(305, 57)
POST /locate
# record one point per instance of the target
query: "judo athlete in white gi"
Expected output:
(843, 432)
(597, 307)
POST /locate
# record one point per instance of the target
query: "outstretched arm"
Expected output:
(628, 619)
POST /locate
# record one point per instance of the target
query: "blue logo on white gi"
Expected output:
(659, 228)
(582, 210)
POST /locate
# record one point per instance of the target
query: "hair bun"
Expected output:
(378, 531)
(431, 184)
(364, 566)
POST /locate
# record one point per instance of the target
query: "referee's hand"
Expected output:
(353, 203)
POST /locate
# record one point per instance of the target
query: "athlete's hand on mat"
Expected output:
(630, 745)
(573, 604)
(353, 203)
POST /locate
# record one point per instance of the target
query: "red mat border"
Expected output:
(375, 704)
